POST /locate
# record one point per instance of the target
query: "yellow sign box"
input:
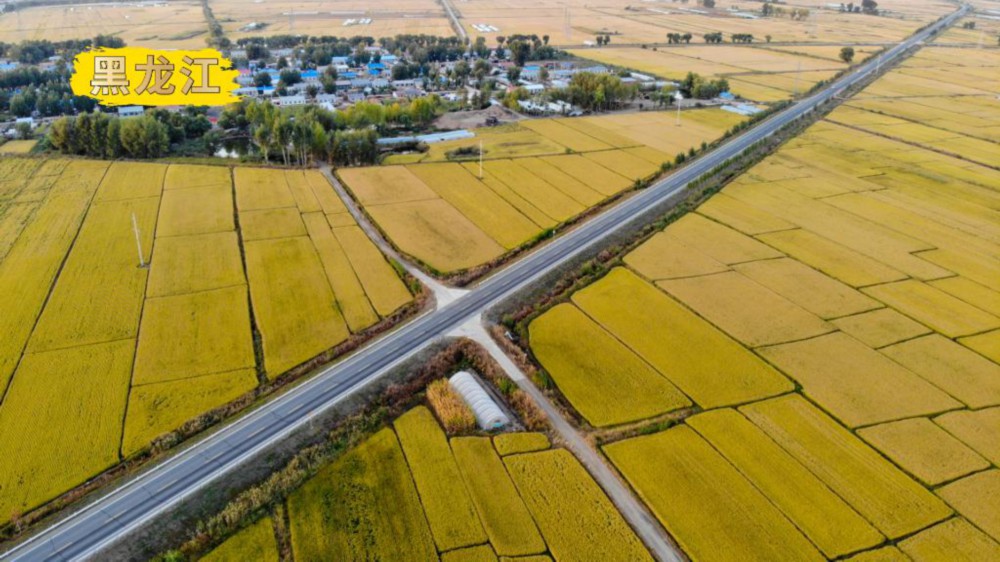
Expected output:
(139, 76)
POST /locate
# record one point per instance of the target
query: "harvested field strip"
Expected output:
(513, 443)
(745, 218)
(808, 288)
(181, 176)
(746, 310)
(924, 450)
(186, 336)
(28, 271)
(757, 92)
(987, 345)
(880, 328)
(712, 511)
(955, 369)
(196, 210)
(655, 157)
(61, 421)
(590, 173)
(856, 384)
(977, 498)
(937, 309)
(591, 126)
(188, 264)
(665, 257)
(302, 191)
(131, 180)
(719, 241)
(385, 290)
(562, 181)
(449, 509)
(266, 224)
(261, 188)
(490, 212)
(624, 163)
(155, 409)
(954, 539)
(604, 380)
(824, 517)
(975, 429)
(328, 199)
(571, 509)
(437, 234)
(703, 362)
(98, 296)
(508, 524)
(526, 208)
(389, 184)
(255, 542)
(978, 267)
(887, 498)
(481, 553)
(296, 315)
(347, 289)
(359, 506)
(910, 223)
(548, 199)
(573, 139)
(837, 261)
(880, 243)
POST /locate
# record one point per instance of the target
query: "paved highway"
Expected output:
(84, 534)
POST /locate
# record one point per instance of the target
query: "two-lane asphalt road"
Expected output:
(109, 519)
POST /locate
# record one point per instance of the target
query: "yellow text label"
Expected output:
(139, 76)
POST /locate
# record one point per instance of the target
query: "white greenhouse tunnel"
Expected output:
(488, 414)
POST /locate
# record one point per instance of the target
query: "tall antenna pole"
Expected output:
(138, 241)
(480, 159)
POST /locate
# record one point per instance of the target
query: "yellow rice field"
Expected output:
(675, 470)
(255, 542)
(450, 511)
(977, 498)
(954, 539)
(506, 519)
(858, 265)
(537, 173)
(171, 339)
(924, 450)
(393, 496)
(571, 510)
(513, 443)
(17, 146)
(604, 380)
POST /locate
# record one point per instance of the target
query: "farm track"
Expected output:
(112, 517)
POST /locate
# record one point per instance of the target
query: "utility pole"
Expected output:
(480, 159)
(138, 241)
(677, 98)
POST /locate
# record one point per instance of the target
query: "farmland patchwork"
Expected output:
(99, 356)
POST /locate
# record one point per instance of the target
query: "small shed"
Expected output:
(488, 414)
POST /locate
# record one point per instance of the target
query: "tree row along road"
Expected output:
(106, 520)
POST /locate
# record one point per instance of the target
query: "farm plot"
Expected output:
(406, 488)
(176, 25)
(847, 286)
(148, 348)
(454, 215)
